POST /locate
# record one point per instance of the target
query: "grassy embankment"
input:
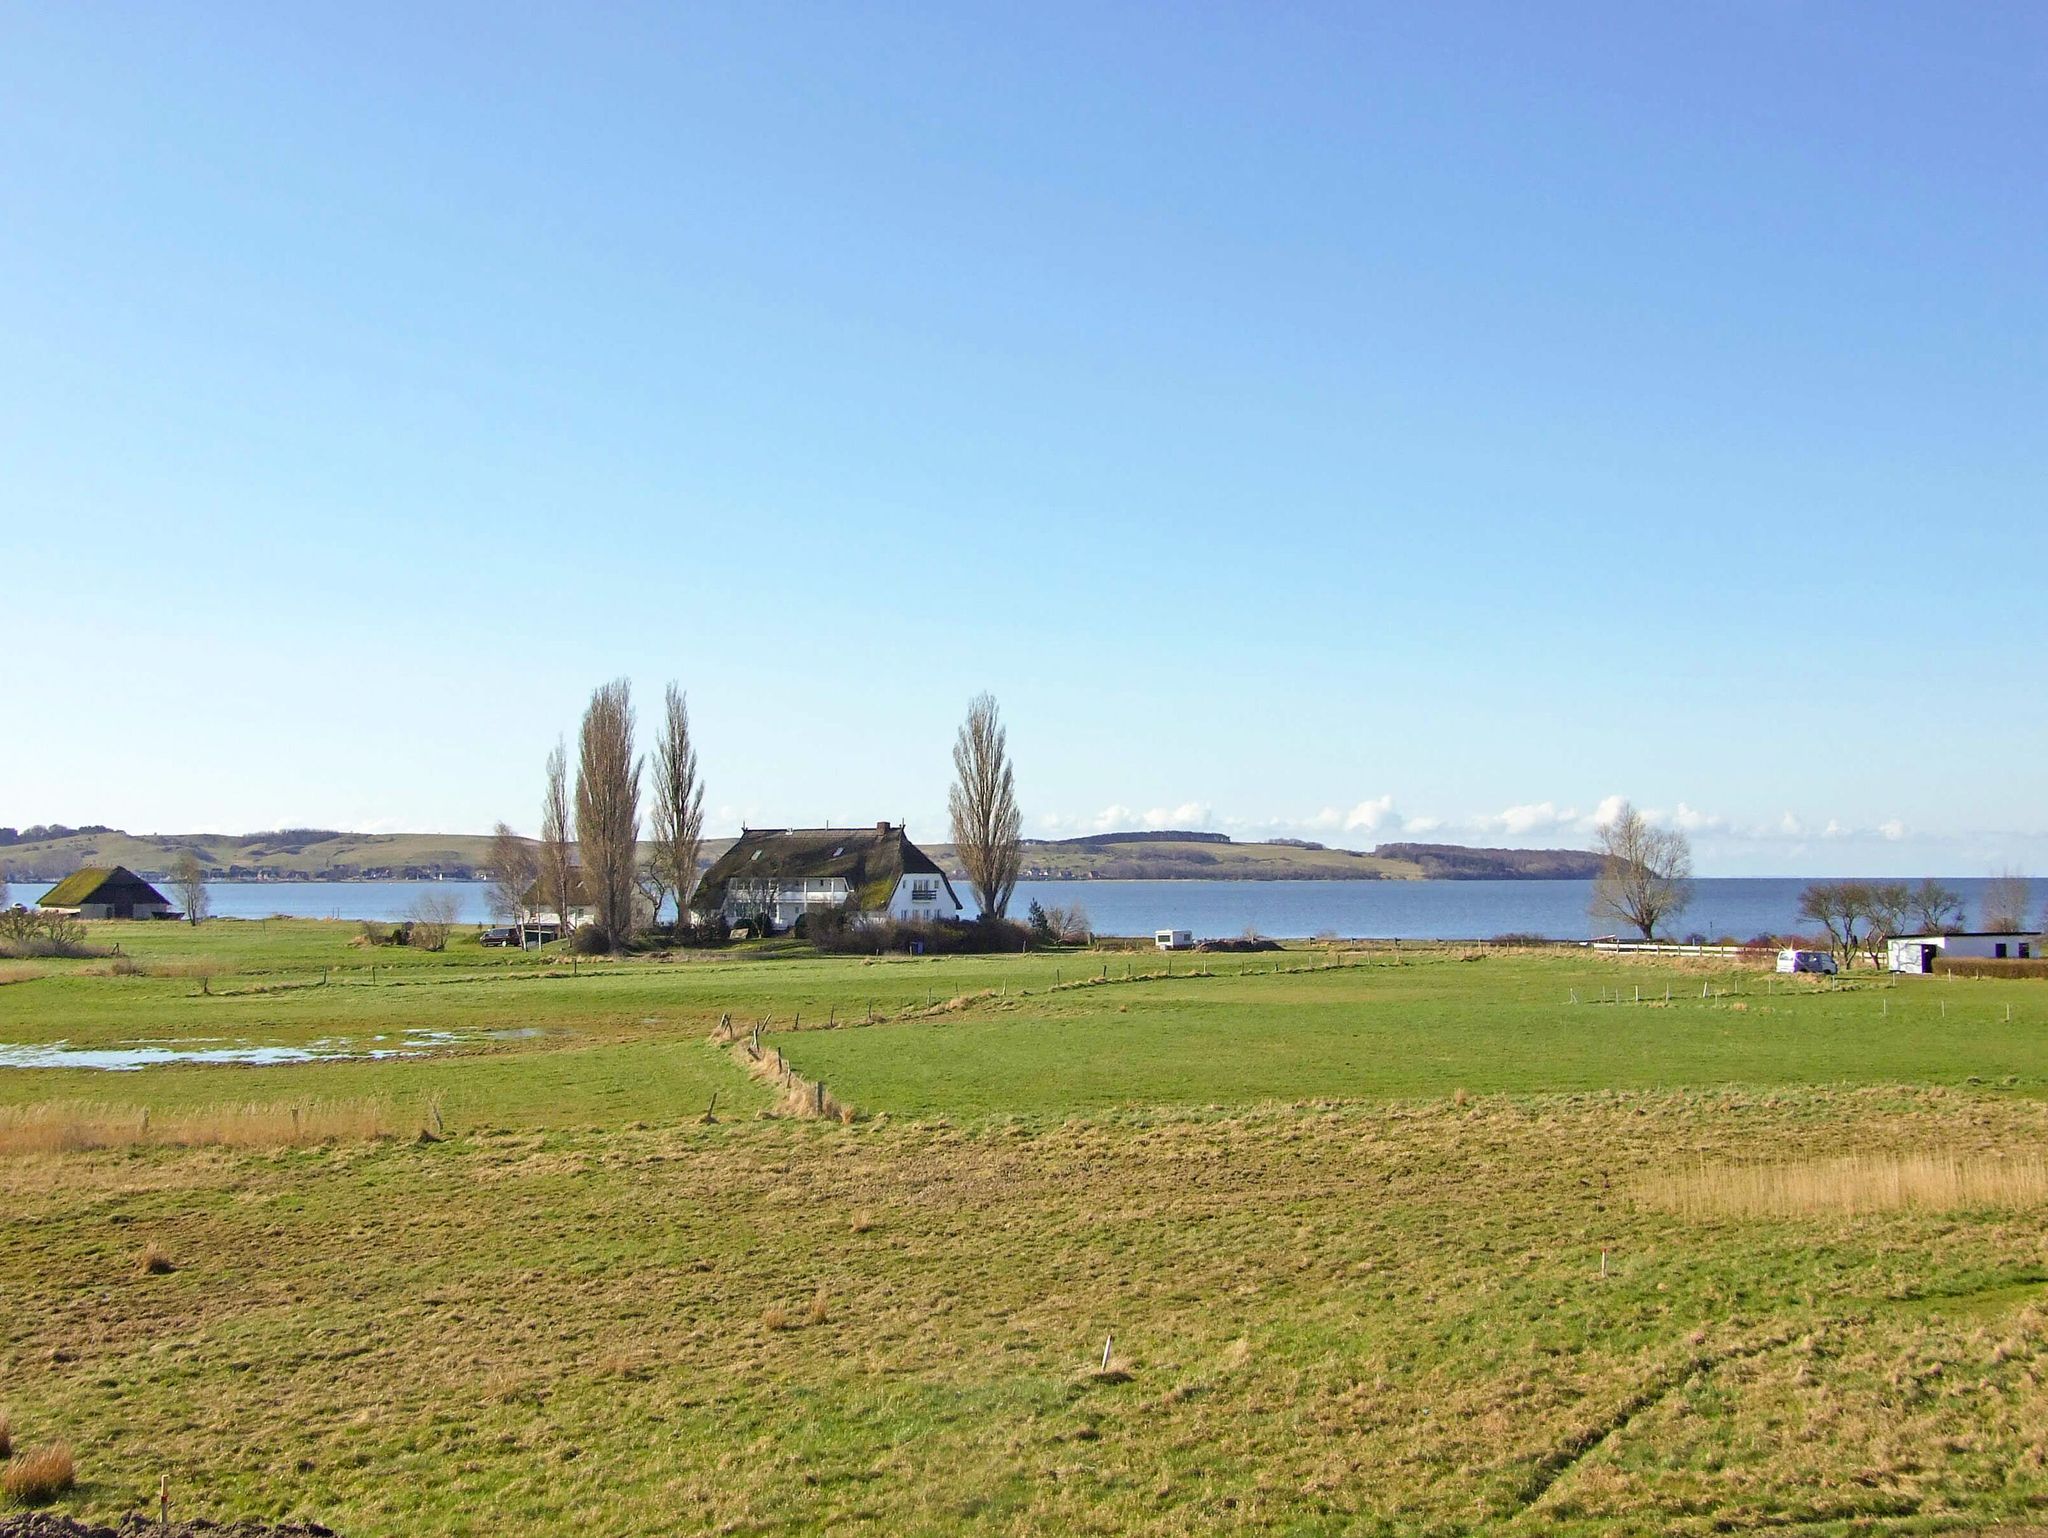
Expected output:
(1348, 1226)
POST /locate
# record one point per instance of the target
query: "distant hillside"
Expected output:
(323, 854)
(1152, 856)
(1454, 862)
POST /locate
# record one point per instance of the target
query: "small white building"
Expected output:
(1918, 953)
(538, 909)
(784, 873)
(1174, 939)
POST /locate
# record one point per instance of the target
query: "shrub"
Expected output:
(1039, 923)
(589, 940)
(155, 1261)
(40, 1476)
(842, 934)
(1516, 937)
(433, 915)
(6, 1437)
(1969, 966)
(25, 933)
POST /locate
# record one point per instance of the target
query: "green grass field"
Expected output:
(1383, 1247)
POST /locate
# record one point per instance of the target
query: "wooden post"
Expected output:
(821, 1097)
(1107, 1341)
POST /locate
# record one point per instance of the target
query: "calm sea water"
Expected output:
(1418, 910)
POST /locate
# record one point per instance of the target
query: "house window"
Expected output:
(1998, 950)
(924, 891)
(2026, 951)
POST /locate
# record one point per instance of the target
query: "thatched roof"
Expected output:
(101, 884)
(870, 860)
(541, 893)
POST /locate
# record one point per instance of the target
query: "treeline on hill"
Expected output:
(42, 832)
(1455, 862)
(1146, 836)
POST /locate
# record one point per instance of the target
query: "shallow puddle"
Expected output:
(130, 1056)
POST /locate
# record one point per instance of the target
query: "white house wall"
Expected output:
(922, 898)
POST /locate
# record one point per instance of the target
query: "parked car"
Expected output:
(1807, 961)
(503, 936)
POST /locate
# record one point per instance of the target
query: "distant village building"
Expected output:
(784, 873)
(1918, 953)
(100, 892)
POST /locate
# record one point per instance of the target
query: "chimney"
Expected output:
(881, 827)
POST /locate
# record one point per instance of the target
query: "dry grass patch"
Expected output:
(1857, 1183)
(40, 1476)
(73, 1126)
(155, 1260)
(776, 1317)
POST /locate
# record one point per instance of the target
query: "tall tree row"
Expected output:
(987, 827)
(608, 809)
(557, 852)
(678, 807)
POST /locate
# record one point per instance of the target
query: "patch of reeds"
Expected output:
(1857, 1183)
(75, 1126)
(155, 1261)
(40, 1476)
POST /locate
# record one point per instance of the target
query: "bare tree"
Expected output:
(433, 914)
(1645, 874)
(3, 886)
(650, 891)
(514, 870)
(1070, 925)
(1937, 909)
(1887, 911)
(557, 854)
(2007, 897)
(678, 804)
(188, 876)
(987, 826)
(608, 808)
(1841, 908)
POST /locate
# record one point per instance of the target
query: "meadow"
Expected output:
(1428, 1242)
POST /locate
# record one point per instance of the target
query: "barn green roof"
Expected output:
(870, 860)
(100, 883)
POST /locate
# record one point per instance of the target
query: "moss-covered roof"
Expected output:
(870, 860)
(101, 884)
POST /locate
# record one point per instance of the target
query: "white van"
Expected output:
(1807, 961)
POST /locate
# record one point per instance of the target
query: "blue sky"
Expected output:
(1430, 421)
